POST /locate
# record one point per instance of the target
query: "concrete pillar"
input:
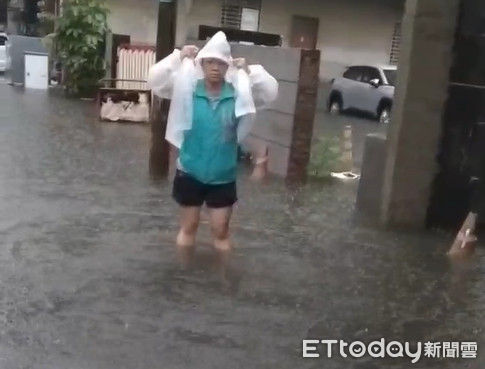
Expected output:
(369, 196)
(306, 104)
(421, 92)
(13, 23)
(159, 161)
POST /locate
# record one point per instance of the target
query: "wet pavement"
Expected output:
(90, 278)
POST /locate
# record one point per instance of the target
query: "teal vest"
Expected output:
(209, 149)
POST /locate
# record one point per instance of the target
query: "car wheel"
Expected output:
(335, 107)
(385, 116)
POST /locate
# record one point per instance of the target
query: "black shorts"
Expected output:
(188, 191)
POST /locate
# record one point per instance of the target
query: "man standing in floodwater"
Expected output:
(214, 99)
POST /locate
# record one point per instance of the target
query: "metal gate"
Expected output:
(134, 63)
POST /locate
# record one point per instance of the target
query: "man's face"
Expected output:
(214, 70)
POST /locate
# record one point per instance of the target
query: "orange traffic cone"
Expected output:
(346, 163)
(346, 160)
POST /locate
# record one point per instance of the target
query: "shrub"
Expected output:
(80, 36)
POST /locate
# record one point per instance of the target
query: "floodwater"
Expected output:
(90, 278)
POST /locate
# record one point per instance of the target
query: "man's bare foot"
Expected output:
(185, 249)
(223, 257)
(185, 256)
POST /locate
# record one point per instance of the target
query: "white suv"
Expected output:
(3, 52)
(365, 88)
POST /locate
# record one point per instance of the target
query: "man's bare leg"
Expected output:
(189, 222)
(219, 221)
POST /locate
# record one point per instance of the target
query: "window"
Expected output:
(3, 40)
(250, 19)
(353, 73)
(231, 14)
(396, 44)
(241, 14)
(369, 74)
(363, 74)
(391, 76)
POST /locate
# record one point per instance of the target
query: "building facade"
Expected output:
(346, 31)
(29, 17)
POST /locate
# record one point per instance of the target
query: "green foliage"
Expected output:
(80, 36)
(325, 157)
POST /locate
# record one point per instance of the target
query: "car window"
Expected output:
(391, 76)
(3, 39)
(369, 74)
(361, 71)
(352, 73)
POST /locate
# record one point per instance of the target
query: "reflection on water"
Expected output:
(91, 278)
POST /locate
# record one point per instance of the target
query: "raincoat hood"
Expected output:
(217, 47)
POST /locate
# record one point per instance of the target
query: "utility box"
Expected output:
(17, 47)
(36, 71)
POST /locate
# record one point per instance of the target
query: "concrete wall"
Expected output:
(135, 18)
(274, 127)
(421, 91)
(350, 31)
(369, 196)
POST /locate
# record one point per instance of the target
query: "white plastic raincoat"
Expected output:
(174, 79)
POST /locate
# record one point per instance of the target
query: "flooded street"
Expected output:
(90, 278)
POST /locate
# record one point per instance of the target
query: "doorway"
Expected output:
(304, 32)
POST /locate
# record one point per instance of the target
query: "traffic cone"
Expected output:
(346, 159)
(465, 240)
